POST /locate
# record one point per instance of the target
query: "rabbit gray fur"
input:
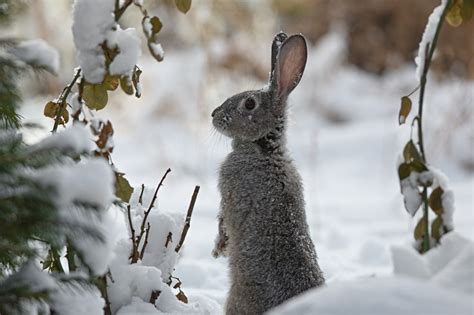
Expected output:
(262, 222)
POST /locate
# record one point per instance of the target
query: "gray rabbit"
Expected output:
(262, 223)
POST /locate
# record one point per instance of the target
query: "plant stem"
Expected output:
(430, 48)
(62, 100)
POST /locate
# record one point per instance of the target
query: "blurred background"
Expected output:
(343, 133)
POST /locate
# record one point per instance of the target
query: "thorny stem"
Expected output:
(430, 48)
(187, 223)
(62, 100)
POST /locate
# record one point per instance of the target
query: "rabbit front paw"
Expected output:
(220, 249)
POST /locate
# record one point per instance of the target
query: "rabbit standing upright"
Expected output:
(262, 223)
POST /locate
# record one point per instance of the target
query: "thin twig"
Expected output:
(154, 296)
(145, 243)
(133, 255)
(121, 10)
(152, 204)
(62, 100)
(187, 222)
(140, 198)
(169, 239)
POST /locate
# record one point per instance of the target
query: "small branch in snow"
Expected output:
(145, 243)
(154, 296)
(62, 100)
(121, 10)
(140, 198)
(169, 239)
(187, 223)
(136, 254)
(133, 254)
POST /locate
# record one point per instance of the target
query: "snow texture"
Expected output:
(157, 50)
(128, 43)
(133, 284)
(39, 53)
(411, 193)
(75, 140)
(447, 198)
(90, 181)
(427, 38)
(92, 21)
(389, 296)
(447, 265)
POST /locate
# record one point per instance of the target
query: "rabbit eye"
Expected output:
(250, 103)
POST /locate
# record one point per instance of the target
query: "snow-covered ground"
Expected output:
(345, 140)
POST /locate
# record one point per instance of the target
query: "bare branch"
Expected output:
(187, 222)
(146, 241)
(147, 212)
(140, 198)
(134, 253)
(169, 239)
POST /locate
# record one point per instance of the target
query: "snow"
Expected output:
(411, 194)
(92, 20)
(448, 265)
(427, 38)
(90, 181)
(39, 53)
(447, 198)
(128, 43)
(76, 140)
(157, 50)
(390, 296)
(132, 284)
(72, 299)
(147, 27)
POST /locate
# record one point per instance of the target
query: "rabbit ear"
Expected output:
(289, 68)
(276, 45)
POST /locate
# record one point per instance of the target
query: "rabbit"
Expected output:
(262, 220)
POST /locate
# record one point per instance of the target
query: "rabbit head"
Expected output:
(251, 115)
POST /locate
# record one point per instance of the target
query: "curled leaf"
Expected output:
(126, 85)
(123, 190)
(156, 25)
(64, 116)
(410, 152)
(436, 201)
(136, 81)
(182, 297)
(420, 229)
(95, 96)
(405, 109)
(111, 82)
(50, 109)
(183, 5)
(404, 171)
(454, 16)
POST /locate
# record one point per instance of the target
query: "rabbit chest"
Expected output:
(260, 192)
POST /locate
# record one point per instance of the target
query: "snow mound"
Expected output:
(449, 265)
(388, 296)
